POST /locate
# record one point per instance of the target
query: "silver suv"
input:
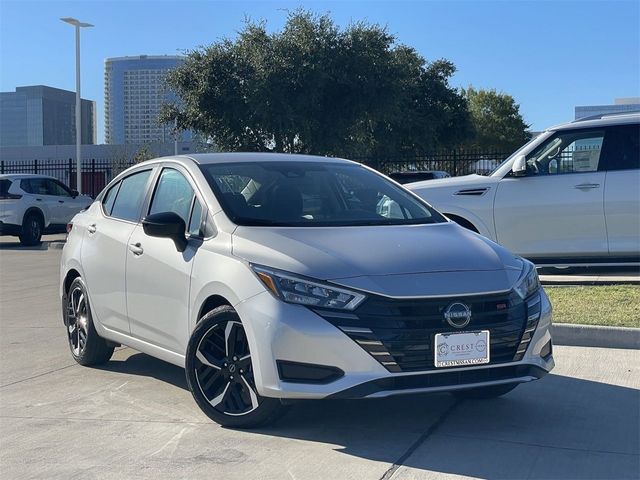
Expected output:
(271, 277)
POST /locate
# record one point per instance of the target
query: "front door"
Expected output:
(557, 209)
(158, 275)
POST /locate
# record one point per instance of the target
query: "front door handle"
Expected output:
(587, 186)
(60, 201)
(91, 228)
(136, 248)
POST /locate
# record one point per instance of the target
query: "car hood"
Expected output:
(464, 181)
(375, 258)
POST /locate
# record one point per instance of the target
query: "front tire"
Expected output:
(32, 227)
(220, 374)
(87, 347)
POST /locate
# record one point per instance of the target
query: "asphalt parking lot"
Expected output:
(134, 417)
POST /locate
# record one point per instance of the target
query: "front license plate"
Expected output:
(461, 348)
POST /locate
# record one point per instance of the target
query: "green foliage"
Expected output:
(316, 88)
(498, 125)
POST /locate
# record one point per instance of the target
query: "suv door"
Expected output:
(622, 190)
(39, 197)
(105, 248)
(557, 209)
(63, 205)
(158, 275)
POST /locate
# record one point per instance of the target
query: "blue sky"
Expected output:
(550, 55)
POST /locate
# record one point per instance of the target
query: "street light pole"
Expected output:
(78, 25)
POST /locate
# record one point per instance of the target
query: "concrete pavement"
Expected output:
(134, 418)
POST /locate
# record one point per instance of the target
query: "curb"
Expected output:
(56, 245)
(586, 281)
(596, 336)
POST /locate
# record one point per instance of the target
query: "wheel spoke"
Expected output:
(205, 361)
(230, 337)
(218, 400)
(252, 393)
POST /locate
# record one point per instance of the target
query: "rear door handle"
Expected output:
(91, 228)
(587, 186)
(136, 248)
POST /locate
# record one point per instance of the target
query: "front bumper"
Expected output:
(280, 332)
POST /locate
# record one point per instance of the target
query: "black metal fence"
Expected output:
(454, 162)
(96, 173)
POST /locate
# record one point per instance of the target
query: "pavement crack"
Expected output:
(414, 446)
(39, 375)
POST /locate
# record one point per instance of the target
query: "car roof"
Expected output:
(241, 157)
(18, 176)
(603, 120)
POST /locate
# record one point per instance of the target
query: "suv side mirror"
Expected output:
(519, 168)
(166, 225)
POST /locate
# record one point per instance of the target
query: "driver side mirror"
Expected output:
(166, 225)
(519, 168)
(74, 193)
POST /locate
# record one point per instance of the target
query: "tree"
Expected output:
(316, 88)
(497, 122)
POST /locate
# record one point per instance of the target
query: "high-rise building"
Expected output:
(621, 105)
(40, 115)
(134, 91)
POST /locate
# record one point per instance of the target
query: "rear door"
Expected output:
(105, 248)
(622, 190)
(557, 209)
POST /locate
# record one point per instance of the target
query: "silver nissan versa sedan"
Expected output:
(272, 277)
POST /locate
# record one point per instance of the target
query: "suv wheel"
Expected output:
(87, 347)
(32, 226)
(219, 373)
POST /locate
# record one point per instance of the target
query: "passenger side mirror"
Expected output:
(166, 225)
(519, 168)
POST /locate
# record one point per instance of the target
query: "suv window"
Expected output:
(622, 147)
(5, 184)
(173, 194)
(567, 152)
(128, 202)
(56, 188)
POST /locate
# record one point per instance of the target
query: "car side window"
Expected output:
(55, 188)
(622, 147)
(35, 186)
(173, 194)
(109, 198)
(567, 152)
(128, 201)
(195, 223)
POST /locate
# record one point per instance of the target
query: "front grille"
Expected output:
(400, 333)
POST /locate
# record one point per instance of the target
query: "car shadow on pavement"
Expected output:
(19, 246)
(146, 366)
(559, 427)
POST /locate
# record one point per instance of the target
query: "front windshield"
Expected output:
(312, 194)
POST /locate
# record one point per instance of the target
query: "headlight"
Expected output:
(528, 283)
(293, 289)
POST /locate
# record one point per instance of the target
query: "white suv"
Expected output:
(271, 277)
(31, 205)
(571, 196)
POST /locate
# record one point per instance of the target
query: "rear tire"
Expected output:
(485, 392)
(32, 227)
(87, 347)
(220, 373)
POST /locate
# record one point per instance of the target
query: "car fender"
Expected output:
(487, 230)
